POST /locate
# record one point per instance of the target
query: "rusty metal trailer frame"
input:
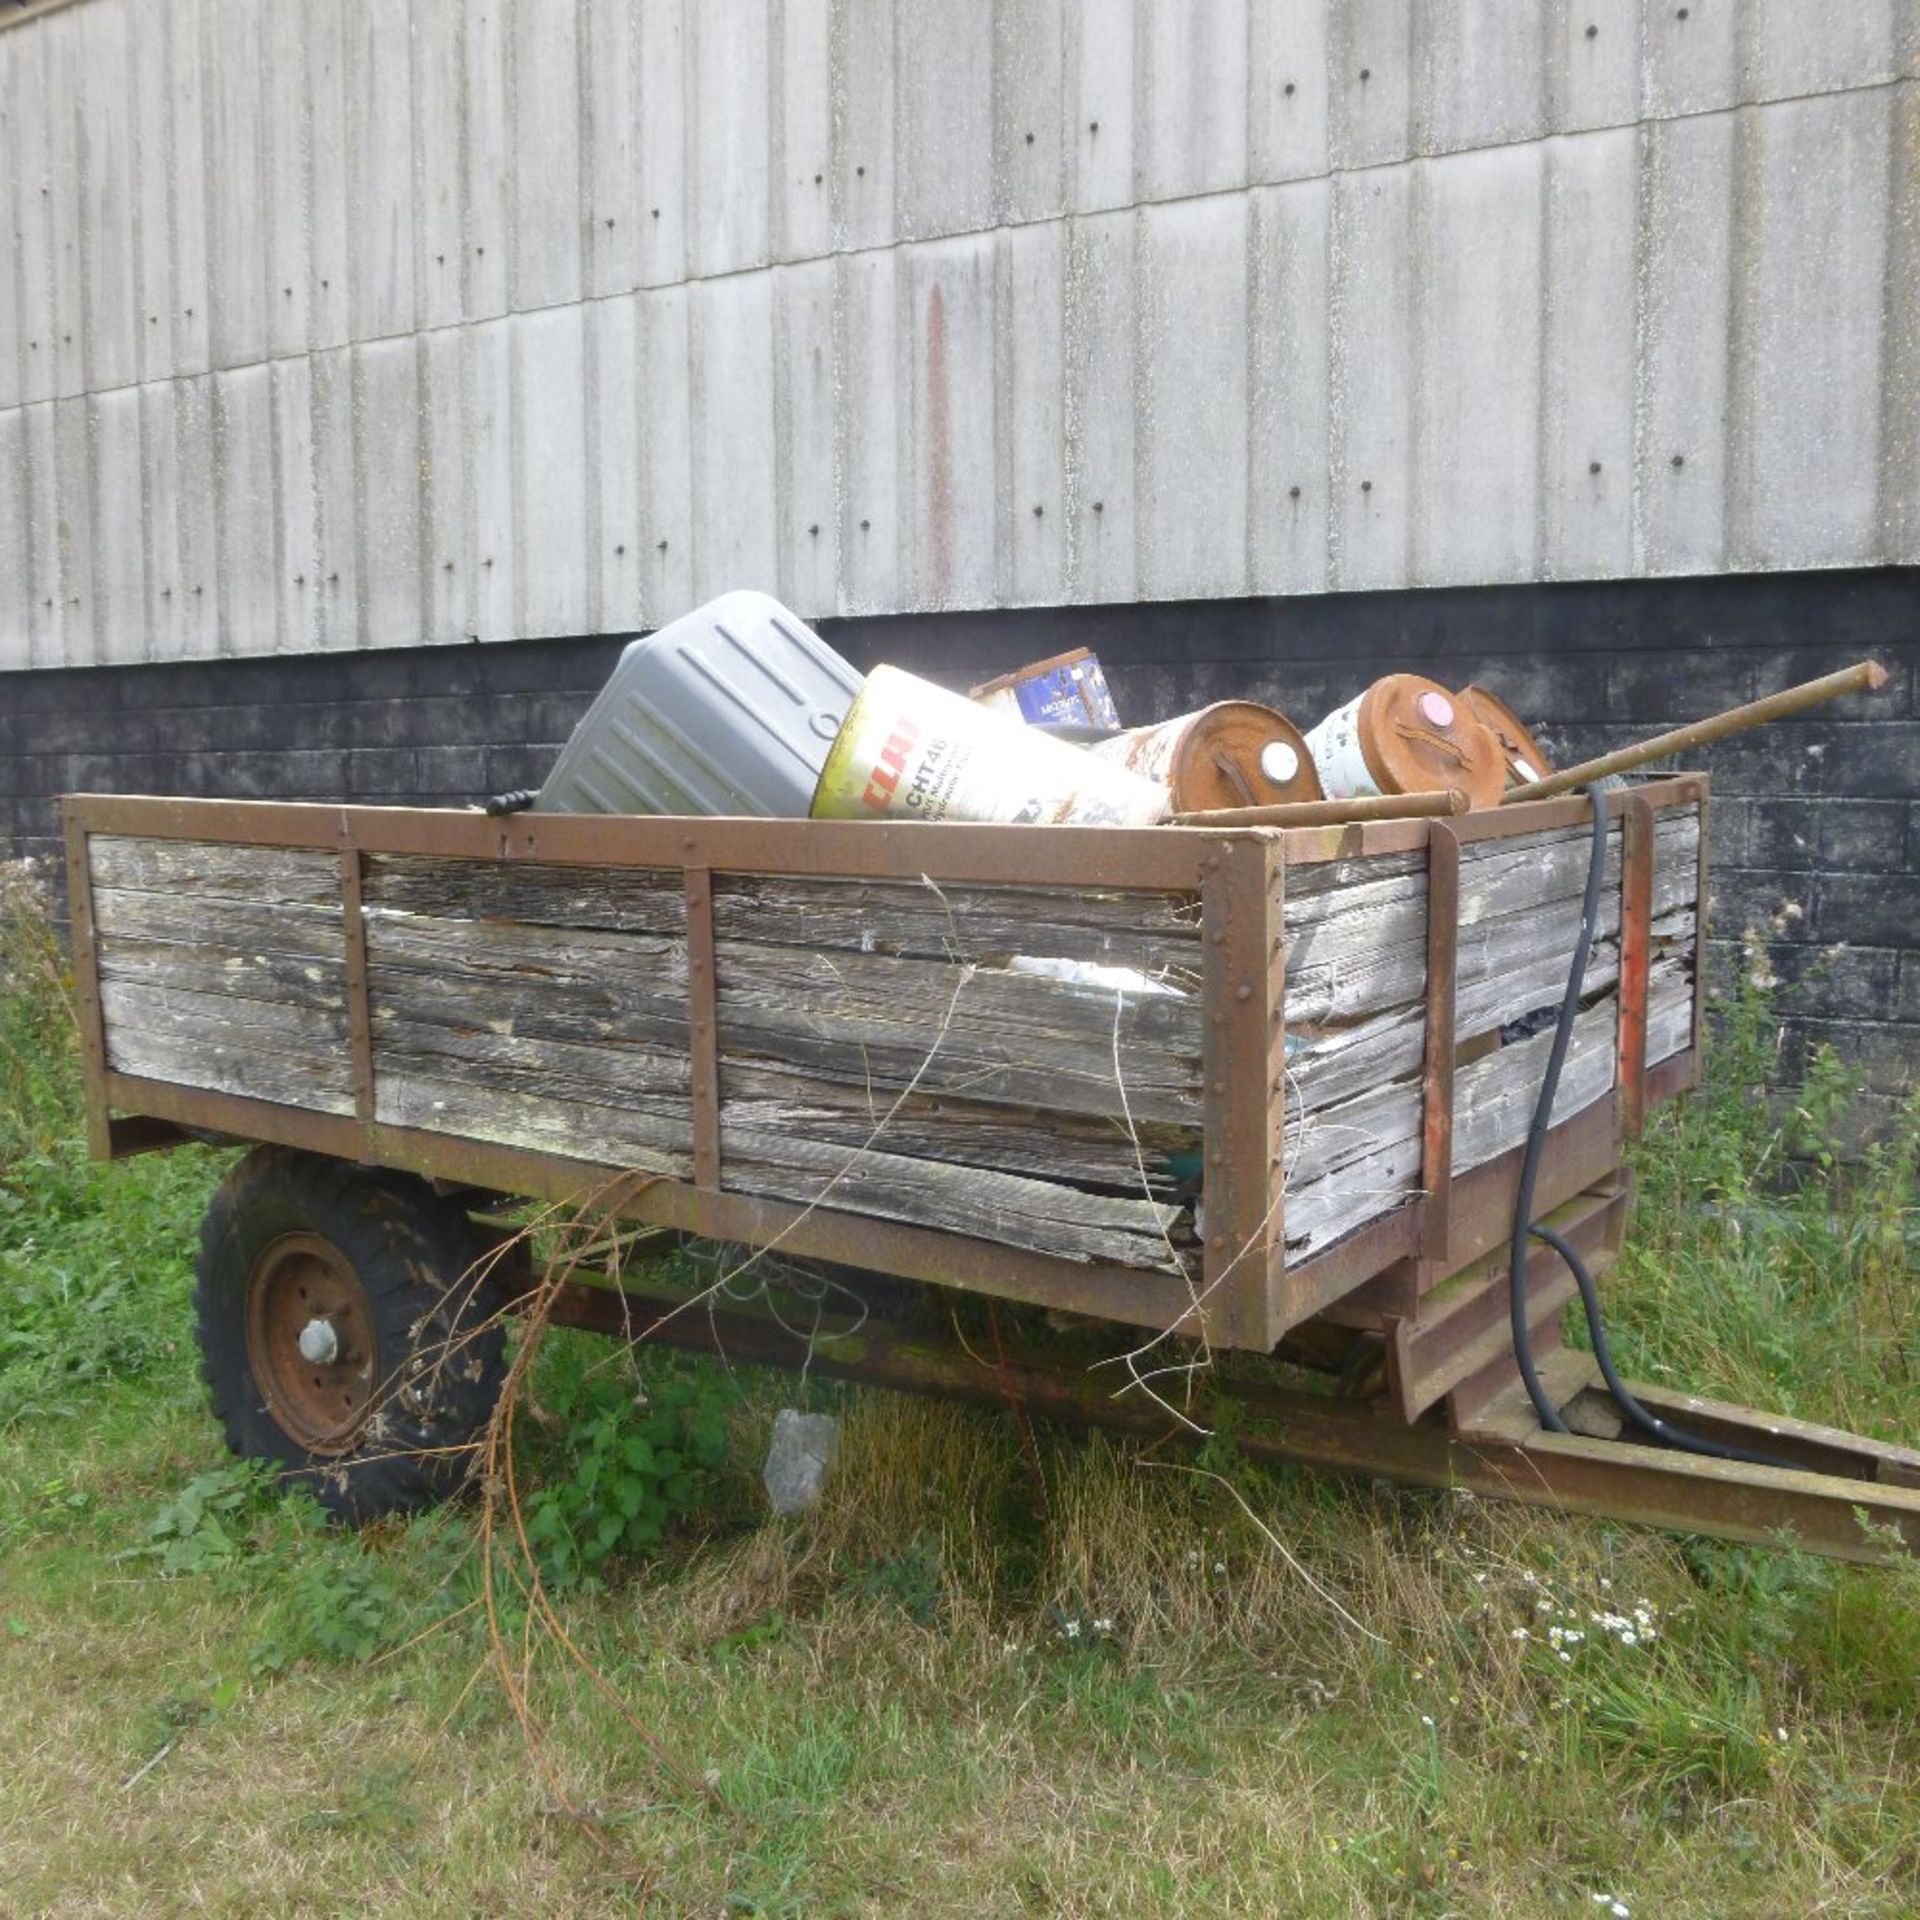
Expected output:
(1369, 1286)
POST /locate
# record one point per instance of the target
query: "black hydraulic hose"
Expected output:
(1524, 1224)
(1543, 1118)
(518, 801)
(1650, 1423)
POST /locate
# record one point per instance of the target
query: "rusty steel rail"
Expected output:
(1330, 813)
(1821, 1506)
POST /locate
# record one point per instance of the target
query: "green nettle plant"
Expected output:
(618, 1463)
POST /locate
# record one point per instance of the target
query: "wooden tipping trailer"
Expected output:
(857, 1043)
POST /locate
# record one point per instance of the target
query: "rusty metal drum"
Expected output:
(1235, 753)
(1526, 759)
(1407, 734)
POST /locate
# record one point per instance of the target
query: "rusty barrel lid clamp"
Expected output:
(1525, 757)
(1407, 734)
(1235, 753)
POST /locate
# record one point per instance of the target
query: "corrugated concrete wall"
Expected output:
(345, 323)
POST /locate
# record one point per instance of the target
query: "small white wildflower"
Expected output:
(1619, 1910)
(1629, 1638)
(1219, 1566)
(1193, 1557)
(1782, 1735)
(1519, 1633)
(1426, 1719)
(1072, 1629)
(1103, 1626)
(1606, 1586)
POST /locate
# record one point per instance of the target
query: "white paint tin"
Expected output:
(912, 751)
(1407, 734)
(1335, 746)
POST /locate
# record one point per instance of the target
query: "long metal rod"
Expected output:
(1331, 813)
(32, 10)
(1650, 1485)
(1867, 677)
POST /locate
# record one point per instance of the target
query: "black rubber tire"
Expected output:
(439, 1362)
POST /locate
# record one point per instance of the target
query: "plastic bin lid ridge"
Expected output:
(755, 714)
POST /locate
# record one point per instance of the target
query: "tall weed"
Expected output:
(95, 1262)
(1765, 1264)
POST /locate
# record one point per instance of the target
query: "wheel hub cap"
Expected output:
(319, 1344)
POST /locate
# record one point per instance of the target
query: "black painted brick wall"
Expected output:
(1816, 828)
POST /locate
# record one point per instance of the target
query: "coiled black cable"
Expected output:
(1525, 1225)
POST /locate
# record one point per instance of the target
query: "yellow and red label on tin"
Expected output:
(912, 751)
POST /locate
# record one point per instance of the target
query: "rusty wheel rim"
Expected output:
(311, 1341)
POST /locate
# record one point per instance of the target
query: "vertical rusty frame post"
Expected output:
(86, 984)
(1275, 996)
(1436, 1079)
(1703, 786)
(703, 1038)
(1636, 936)
(353, 929)
(1242, 1052)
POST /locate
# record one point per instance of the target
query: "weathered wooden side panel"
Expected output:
(1356, 1017)
(877, 1053)
(223, 967)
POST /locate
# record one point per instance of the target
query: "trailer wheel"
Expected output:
(342, 1332)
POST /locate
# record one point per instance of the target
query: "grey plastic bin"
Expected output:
(730, 710)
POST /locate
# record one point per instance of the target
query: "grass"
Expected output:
(971, 1681)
